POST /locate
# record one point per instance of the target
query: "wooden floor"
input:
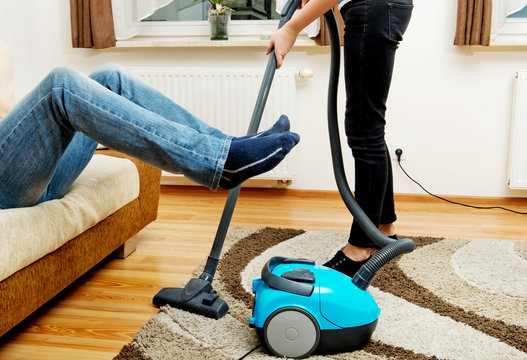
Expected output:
(100, 313)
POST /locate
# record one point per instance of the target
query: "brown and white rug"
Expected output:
(449, 299)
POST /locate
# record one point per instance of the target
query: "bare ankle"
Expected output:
(356, 253)
(387, 229)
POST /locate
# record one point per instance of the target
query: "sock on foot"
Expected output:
(253, 156)
(344, 264)
(280, 126)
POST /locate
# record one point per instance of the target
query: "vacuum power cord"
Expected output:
(249, 352)
(399, 152)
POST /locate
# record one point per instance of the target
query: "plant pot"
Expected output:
(219, 26)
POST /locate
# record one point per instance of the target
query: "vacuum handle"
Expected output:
(287, 12)
(284, 284)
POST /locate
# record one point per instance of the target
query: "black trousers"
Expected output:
(373, 30)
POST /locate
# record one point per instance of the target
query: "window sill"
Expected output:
(165, 42)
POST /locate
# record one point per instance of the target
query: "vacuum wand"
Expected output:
(197, 295)
(265, 87)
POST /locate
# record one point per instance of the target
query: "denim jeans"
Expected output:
(48, 138)
(373, 30)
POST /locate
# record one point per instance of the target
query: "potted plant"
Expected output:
(219, 17)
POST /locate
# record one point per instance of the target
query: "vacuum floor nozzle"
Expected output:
(197, 296)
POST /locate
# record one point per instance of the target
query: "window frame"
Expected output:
(201, 28)
(507, 31)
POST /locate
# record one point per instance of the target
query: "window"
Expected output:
(190, 10)
(252, 20)
(509, 22)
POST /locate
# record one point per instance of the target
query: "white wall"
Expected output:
(450, 106)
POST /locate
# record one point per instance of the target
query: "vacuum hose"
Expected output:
(390, 248)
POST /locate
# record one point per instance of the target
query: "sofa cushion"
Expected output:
(106, 185)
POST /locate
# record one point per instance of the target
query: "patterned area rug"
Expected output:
(449, 299)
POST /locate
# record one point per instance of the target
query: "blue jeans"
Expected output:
(373, 30)
(51, 134)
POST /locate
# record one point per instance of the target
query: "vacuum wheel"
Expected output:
(291, 332)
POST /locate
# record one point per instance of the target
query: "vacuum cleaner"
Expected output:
(300, 308)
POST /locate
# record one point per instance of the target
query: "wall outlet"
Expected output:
(393, 147)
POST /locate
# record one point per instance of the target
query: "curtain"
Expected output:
(127, 15)
(473, 22)
(92, 24)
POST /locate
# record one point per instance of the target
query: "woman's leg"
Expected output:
(373, 31)
(36, 133)
(388, 215)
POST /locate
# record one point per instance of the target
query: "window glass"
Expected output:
(190, 10)
(519, 14)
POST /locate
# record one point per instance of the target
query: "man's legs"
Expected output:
(77, 155)
(120, 81)
(80, 151)
(36, 133)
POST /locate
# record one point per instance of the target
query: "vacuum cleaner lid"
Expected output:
(342, 303)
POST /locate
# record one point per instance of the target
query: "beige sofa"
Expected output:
(38, 259)
(44, 248)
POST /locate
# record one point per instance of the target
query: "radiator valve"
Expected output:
(304, 74)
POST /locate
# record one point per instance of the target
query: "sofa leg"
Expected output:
(127, 248)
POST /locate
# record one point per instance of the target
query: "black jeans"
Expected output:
(373, 30)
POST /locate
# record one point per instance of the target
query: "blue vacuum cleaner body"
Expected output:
(301, 308)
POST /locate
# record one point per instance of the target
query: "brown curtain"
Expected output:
(323, 36)
(473, 22)
(92, 24)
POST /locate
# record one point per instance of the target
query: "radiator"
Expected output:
(518, 140)
(224, 98)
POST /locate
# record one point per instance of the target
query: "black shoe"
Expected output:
(344, 264)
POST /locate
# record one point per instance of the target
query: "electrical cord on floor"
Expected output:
(399, 152)
(249, 353)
